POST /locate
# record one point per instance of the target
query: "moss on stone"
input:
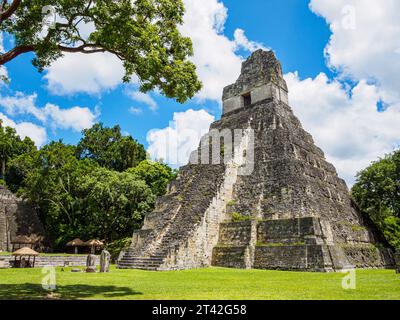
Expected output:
(237, 217)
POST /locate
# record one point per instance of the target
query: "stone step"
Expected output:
(146, 258)
(140, 268)
(153, 263)
(142, 260)
(138, 265)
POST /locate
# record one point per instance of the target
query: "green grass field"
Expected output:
(212, 283)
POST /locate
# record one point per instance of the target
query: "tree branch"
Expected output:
(8, 56)
(88, 48)
(10, 10)
(82, 49)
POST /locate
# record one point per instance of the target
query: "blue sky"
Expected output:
(296, 30)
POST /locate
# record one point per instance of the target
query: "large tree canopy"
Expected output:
(11, 145)
(156, 175)
(377, 192)
(109, 148)
(143, 34)
(101, 188)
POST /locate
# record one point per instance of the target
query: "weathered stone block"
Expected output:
(235, 233)
(290, 257)
(105, 259)
(297, 230)
(230, 256)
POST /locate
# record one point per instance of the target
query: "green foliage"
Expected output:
(77, 198)
(237, 217)
(377, 192)
(156, 175)
(85, 191)
(391, 227)
(52, 186)
(117, 246)
(143, 34)
(18, 169)
(11, 146)
(109, 148)
(114, 203)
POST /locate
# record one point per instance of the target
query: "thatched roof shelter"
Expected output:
(76, 243)
(22, 240)
(25, 251)
(22, 263)
(94, 242)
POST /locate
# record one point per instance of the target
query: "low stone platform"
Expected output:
(53, 261)
(290, 244)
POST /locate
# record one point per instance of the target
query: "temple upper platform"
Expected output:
(261, 78)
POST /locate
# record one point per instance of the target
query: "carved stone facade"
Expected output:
(299, 213)
(261, 79)
(17, 218)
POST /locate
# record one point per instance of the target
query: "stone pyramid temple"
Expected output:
(271, 202)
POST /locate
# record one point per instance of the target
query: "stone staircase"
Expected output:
(186, 223)
(131, 261)
(152, 262)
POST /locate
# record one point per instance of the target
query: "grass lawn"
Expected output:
(212, 283)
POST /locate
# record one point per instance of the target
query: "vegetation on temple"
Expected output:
(143, 34)
(377, 192)
(100, 188)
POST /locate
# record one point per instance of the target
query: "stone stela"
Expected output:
(292, 212)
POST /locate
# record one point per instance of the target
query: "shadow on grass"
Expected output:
(30, 291)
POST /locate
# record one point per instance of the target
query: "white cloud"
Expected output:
(76, 118)
(143, 98)
(174, 143)
(241, 41)
(135, 111)
(21, 103)
(84, 73)
(364, 46)
(365, 41)
(26, 129)
(218, 64)
(346, 125)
